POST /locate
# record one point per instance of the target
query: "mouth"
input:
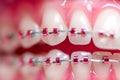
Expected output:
(59, 40)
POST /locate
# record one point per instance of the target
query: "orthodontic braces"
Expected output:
(83, 32)
(45, 32)
(48, 61)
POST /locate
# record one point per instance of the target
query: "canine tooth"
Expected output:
(116, 65)
(52, 20)
(26, 25)
(81, 70)
(107, 22)
(29, 72)
(102, 69)
(55, 71)
(79, 21)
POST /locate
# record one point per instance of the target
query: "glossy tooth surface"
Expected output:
(52, 19)
(28, 71)
(108, 23)
(80, 21)
(81, 70)
(116, 66)
(56, 71)
(27, 23)
(101, 69)
(8, 40)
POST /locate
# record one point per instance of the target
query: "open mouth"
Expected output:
(59, 40)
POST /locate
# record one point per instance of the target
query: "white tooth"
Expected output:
(107, 22)
(8, 45)
(80, 21)
(27, 23)
(81, 71)
(29, 72)
(54, 71)
(101, 69)
(52, 19)
(116, 65)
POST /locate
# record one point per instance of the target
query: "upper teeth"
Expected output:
(53, 29)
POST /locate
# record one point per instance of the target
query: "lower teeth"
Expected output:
(40, 60)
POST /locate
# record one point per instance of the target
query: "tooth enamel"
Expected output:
(80, 21)
(52, 19)
(107, 22)
(28, 24)
(81, 70)
(55, 71)
(101, 69)
(8, 72)
(9, 44)
(29, 72)
(116, 66)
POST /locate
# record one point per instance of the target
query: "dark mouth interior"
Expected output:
(65, 46)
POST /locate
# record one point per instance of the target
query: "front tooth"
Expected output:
(81, 70)
(55, 71)
(116, 65)
(28, 71)
(27, 24)
(52, 19)
(101, 69)
(107, 23)
(80, 21)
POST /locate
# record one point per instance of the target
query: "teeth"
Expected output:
(108, 23)
(81, 70)
(101, 69)
(28, 24)
(8, 38)
(79, 21)
(28, 71)
(8, 72)
(52, 19)
(116, 66)
(55, 71)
